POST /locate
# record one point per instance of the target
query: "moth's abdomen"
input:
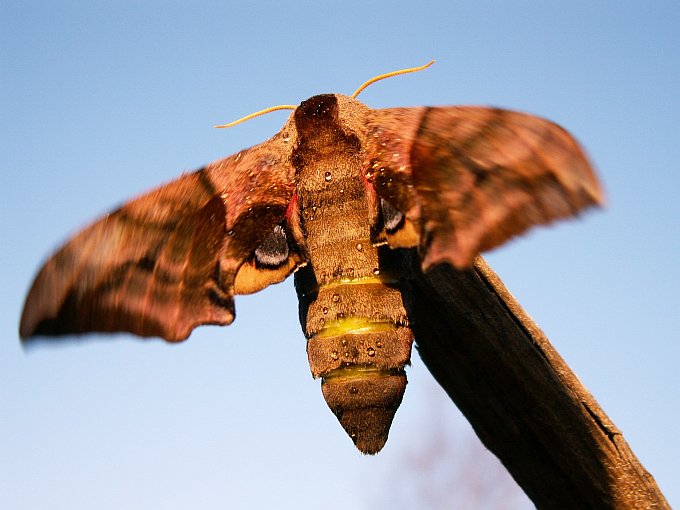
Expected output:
(352, 311)
(358, 343)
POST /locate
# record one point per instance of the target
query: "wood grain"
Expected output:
(522, 399)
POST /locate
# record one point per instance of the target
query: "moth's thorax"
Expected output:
(338, 207)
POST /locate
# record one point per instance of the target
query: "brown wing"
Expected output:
(470, 178)
(165, 262)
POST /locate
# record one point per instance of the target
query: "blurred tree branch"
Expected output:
(447, 466)
(521, 398)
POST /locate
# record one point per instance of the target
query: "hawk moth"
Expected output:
(357, 202)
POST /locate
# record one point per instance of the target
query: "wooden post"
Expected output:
(522, 399)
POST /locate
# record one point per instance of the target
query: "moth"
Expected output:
(356, 202)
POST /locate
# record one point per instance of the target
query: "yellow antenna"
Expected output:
(257, 114)
(356, 93)
(389, 75)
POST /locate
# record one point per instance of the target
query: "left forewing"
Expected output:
(165, 262)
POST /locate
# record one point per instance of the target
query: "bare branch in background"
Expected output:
(450, 468)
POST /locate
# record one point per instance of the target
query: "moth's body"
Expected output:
(346, 197)
(351, 307)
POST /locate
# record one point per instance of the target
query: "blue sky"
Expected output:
(100, 101)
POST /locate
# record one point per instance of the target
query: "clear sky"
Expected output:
(102, 100)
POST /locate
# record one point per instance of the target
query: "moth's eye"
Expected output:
(273, 250)
(392, 217)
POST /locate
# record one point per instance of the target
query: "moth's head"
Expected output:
(317, 109)
(330, 116)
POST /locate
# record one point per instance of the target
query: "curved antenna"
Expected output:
(257, 114)
(356, 93)
(389, 75)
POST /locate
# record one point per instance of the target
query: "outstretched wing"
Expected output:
(470, 178)
(165, 262)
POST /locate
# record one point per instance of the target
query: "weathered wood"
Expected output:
(522, 399)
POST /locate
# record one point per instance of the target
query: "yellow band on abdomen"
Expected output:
(353, 326)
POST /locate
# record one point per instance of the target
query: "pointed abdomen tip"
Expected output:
(365, 404)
